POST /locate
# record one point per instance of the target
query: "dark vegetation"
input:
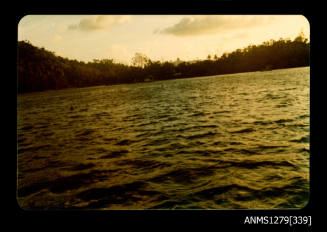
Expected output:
(39, 69)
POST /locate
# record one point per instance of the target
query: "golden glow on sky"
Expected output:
(160, 37)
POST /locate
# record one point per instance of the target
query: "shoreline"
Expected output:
(47, 90)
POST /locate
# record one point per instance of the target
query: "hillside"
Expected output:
(39, 69)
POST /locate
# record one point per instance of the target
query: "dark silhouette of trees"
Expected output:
(140, 60)
(39, 69)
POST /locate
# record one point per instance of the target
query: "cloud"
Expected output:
(99, 22)
(211, 24)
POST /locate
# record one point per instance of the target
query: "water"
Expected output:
(238, 141)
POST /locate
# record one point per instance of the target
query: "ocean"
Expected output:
(236, 141)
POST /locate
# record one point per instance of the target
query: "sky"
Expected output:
(159, 37)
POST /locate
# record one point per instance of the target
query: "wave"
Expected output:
(201, 135)
(250, 164)
(303, 139)
(124, 194)
(33, 148)
(86, 132)
(271, 146)
(82, 166)
(61, 184)
(143, 164)
(184, 175)
(124, 142)
(281, 121)
(114, 154)
(75, 116)
(245, 130)
(29, 127)
(270, 96)
(243, 193)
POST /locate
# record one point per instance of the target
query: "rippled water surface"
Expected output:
(218, 142)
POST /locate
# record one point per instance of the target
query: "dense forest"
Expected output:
(39, 69)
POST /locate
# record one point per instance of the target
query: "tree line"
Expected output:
(40, 69)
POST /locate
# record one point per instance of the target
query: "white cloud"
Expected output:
(210, 24)
(99, 22)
